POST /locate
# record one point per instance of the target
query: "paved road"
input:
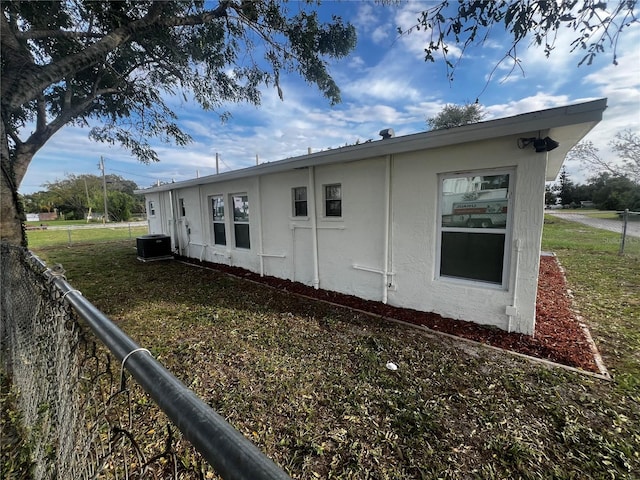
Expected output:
(633, 227)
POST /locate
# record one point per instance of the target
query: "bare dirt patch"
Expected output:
(559, 336)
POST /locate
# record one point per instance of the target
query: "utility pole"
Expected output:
(86, 190)
(104, 190)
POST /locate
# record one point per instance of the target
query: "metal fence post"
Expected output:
(625, 219)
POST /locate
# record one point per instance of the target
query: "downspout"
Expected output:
(512, 310)
(314, 227)
(172, 223)
(260, 254)
(387, 223)
(203, 222)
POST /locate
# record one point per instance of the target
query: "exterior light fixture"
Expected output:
(540, 144)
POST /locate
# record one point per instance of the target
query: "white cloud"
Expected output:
(380, 34)
(539, 101)
(366, 17)
(383, 85)
(356, 62)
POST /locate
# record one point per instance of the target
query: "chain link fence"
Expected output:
(48, 235)
(629, 243)
(82, 418)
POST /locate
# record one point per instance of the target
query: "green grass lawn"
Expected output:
(307, 382)
(607, 289)
(41, 238)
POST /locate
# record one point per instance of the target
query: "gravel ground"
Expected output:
(633, 227)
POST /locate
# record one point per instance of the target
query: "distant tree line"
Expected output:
(76, 196)
(606, 190)
(616, 186)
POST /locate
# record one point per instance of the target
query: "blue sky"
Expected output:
(385, 83)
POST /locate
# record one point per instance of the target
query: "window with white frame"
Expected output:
(241, 220)
(183, 210)
(217, 209)
(333, 200)
(475, 225)
(152, 209)
(299, 195)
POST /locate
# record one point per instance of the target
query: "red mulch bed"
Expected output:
(558, 334)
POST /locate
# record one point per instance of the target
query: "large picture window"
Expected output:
(241, 221)
(474, 225)
(219, 233)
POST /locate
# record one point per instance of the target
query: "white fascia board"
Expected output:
(588, 114)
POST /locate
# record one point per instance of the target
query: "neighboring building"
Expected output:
(447, 221)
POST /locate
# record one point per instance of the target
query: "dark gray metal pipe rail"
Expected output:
(231, 455)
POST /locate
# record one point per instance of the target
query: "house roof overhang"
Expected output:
(566, 125)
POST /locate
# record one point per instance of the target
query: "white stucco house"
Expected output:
(446, 221)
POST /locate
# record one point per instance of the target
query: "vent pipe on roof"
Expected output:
(387, 133)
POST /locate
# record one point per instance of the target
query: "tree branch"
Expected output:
(28, 148)
(41, 34)
(41, 107)
(28, 87)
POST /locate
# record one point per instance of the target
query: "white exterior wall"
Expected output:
(152, 201)
(415, 239)
(351, 249)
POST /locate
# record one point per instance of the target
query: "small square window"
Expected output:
(300, 202)
(333, 200)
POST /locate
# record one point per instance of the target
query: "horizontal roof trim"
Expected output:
(581, 113)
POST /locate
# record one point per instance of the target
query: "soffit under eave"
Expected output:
(568, 136)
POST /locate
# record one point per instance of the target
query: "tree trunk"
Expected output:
(11, 214)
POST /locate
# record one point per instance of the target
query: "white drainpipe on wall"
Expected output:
(387, 223)
(314, 227)
(512, 310)
(172, 223)
(203, 222)
(260, 254)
